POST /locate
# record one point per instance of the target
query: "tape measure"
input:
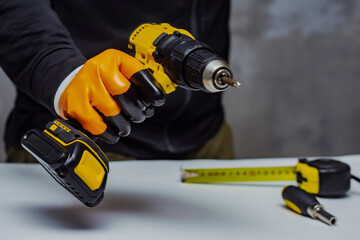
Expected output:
(323, 177)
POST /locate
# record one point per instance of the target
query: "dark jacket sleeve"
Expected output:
(36, 51)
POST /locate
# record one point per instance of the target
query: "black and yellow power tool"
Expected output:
(71, 158)
(176, 59)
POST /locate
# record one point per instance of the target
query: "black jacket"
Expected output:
(42, 41)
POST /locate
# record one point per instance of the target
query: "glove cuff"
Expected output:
(61, 89)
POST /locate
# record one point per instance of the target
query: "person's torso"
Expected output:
(188, 118)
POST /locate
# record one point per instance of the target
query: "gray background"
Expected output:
(299, 63)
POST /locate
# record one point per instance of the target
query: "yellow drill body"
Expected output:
(175, 58)
(142, 39)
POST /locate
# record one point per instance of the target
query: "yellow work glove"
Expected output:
(112, 86)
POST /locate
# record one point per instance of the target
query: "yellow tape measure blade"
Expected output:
(254, 174)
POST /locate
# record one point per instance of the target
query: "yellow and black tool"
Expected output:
(175, 58)
(306, 204)
(323, 177)
(71, 158)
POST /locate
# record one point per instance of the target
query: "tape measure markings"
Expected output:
(238, 174)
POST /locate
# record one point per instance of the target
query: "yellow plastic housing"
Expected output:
(311, 174)
(292, 206)
(142, 39)
(90, 171)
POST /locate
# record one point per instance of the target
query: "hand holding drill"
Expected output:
(113, 89)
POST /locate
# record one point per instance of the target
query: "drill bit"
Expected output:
(230, 81)
(306, 204)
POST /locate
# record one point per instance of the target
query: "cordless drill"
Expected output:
(175, 58)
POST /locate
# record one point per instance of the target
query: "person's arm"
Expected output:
(36, 50)
(37, 53)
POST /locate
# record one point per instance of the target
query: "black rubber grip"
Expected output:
(300, 198)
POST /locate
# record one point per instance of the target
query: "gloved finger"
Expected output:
(92, 122)
(116, 67)
(104, 102)
(115, 82)
(110, 111)
(109, 136)
(121, 125)
(127, 64)
(128, 101)
(131, 105)
(148, 88)
(149, 111)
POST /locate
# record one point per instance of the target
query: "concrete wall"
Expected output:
(299, 63)
(7, 97)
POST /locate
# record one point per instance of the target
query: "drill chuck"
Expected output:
(177, 59)
(216, 76)
(192, 64)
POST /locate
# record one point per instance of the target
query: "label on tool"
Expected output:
(255, 174)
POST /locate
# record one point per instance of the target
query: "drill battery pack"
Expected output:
(71, 158)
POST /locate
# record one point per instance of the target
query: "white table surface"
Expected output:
(146, 200)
